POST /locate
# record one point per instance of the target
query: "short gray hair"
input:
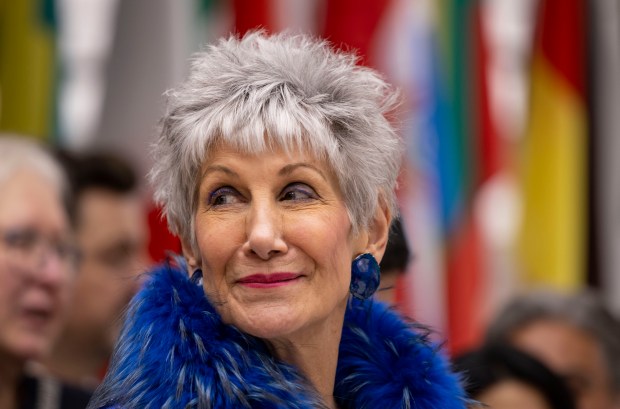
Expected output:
(584, 310)
(289, 91)
(24, 153)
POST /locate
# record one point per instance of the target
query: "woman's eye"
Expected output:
(298, 191)
(223, 196)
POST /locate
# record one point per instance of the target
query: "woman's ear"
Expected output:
(379, 230)
(189, 253)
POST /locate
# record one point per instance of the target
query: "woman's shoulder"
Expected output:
(385, 356)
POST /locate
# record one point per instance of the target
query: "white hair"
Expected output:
(22, 153)
(289, 91)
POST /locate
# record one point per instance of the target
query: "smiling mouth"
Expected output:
(269, 280)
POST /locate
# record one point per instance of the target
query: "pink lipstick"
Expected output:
(269, 280)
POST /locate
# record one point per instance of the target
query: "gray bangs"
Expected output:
(264, 92)
(277, 121)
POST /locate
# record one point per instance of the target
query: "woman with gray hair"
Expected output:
(37, 265)
(276, 166)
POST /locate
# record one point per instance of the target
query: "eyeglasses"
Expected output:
(28, 247)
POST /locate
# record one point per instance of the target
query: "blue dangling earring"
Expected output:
(197, 277)
(365, 276)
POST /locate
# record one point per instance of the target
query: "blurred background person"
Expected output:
(503, 377)
(575, 335)
(112, 235)
(394, 263)
(37, 270)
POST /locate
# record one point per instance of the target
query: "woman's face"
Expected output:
(275, 242)
(35, 277)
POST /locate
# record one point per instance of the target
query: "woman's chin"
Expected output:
(265, 320)
(281, 314)
(285, 322)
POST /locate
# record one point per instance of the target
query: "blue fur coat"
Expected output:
(175, 352)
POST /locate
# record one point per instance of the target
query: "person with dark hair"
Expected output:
(394, 263)
(573, 334)
(503, 377)
(111, 234)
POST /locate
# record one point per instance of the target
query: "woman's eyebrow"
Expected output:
(219, 168)
(288, 169)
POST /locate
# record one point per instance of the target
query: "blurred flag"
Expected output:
(405, 48)
(276, 15)
(27, 67)
(459, 159)
(353, 24)
(251, 14)
(425, 47)
(552, 242)
(503, 44)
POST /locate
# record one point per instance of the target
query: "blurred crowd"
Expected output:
(73, 245)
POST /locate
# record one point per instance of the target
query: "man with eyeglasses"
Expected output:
(37, 272)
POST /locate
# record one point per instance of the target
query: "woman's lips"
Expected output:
(269, 280)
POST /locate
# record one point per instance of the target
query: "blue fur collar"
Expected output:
(175, 352)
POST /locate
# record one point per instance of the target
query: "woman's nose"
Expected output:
(264, 231)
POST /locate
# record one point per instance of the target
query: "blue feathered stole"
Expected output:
(175, 352)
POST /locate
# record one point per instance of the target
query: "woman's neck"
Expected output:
(314, 351)
(317, 362)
